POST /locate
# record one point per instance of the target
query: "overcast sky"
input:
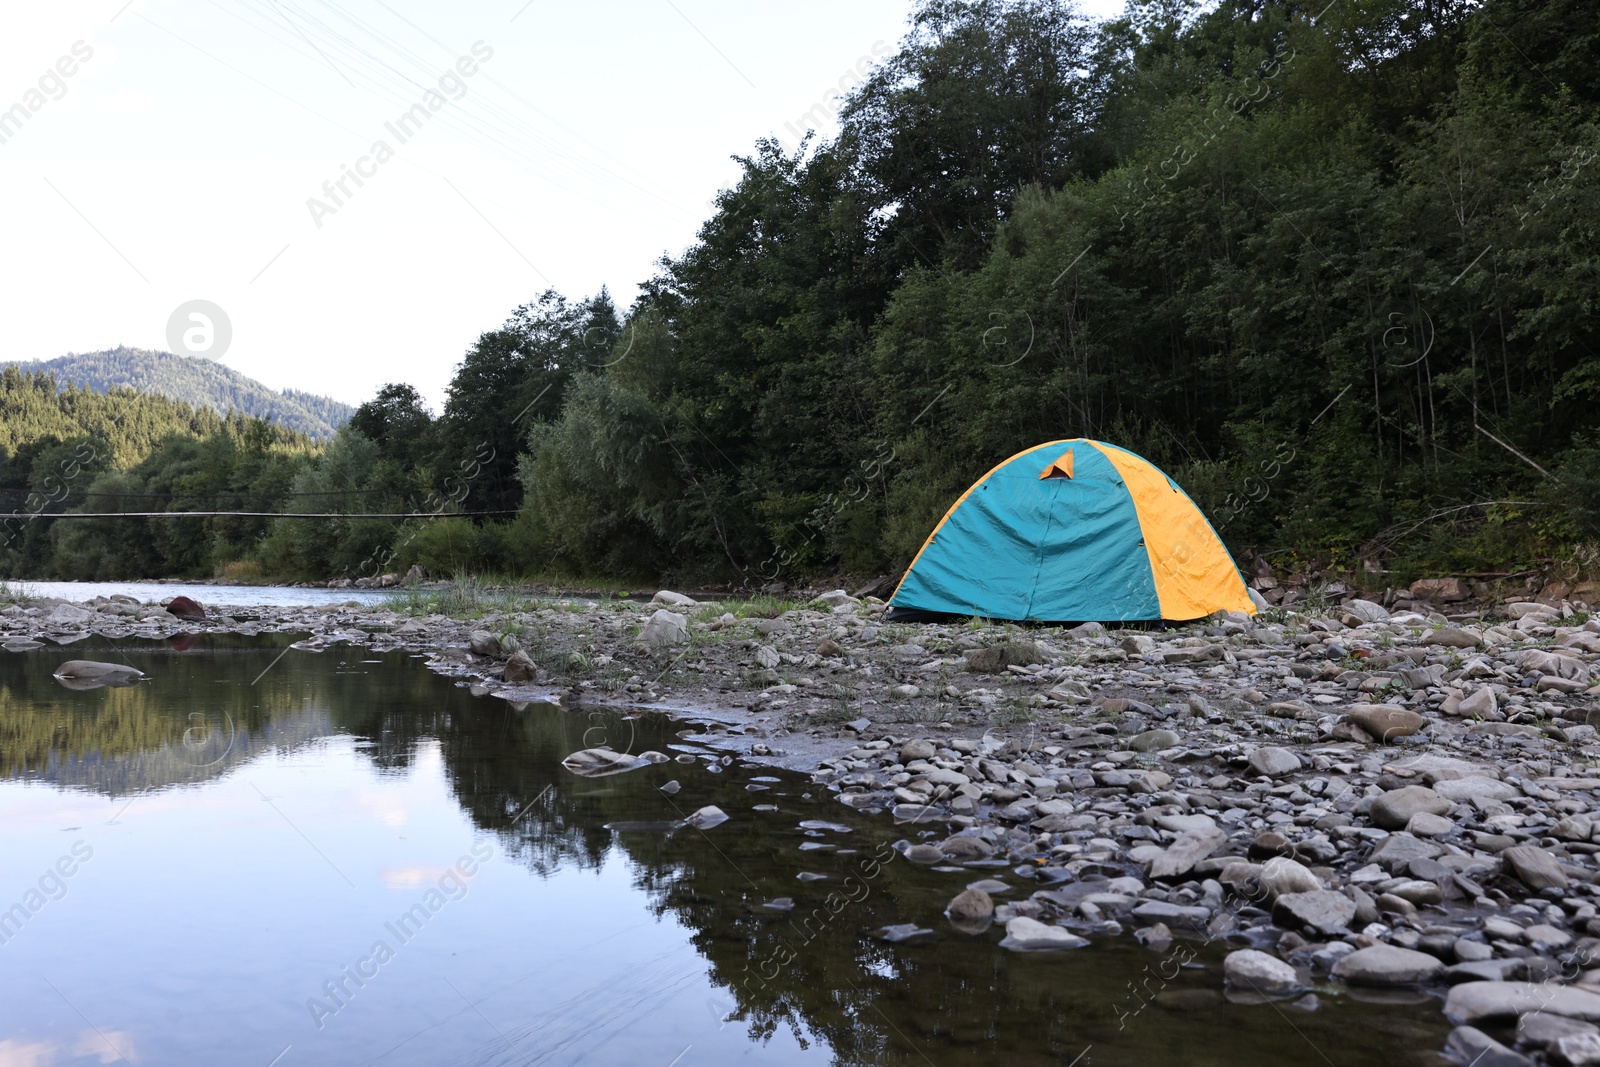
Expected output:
(165, 151)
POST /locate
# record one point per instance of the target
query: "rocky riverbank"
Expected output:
(1350, 798)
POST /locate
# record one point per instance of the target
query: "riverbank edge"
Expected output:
(1175, 855)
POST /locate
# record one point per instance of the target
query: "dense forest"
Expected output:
(68, 448)
(1333, 267)
(200, 383)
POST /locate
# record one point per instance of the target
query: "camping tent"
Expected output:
(1073, 531)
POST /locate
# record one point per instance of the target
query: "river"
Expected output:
(203, 592)
(350, 860)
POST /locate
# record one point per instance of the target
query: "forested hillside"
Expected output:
(75, 449)
(1333, 267)
(34, 407)
(200, 383)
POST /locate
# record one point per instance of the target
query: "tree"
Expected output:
(398, 422)
(509, 379)
(984, 98)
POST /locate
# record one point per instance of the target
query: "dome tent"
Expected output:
(1072, 531)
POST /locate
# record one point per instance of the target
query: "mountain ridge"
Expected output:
(197, 382)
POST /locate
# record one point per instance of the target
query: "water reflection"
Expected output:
(276, 833)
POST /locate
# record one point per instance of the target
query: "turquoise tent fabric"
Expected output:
(1080, 534)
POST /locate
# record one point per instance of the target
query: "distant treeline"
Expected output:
(1333, 268)
(75, 449)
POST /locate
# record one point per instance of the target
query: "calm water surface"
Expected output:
(354, 861)
(205, 593)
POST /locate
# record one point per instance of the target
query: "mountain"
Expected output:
(197, 382)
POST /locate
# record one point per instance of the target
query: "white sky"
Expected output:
(177, 161)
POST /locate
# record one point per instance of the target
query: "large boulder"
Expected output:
(666, 598)
(92, 674)
(184, 608)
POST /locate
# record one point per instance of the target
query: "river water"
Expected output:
(354, 861)
(205, 593)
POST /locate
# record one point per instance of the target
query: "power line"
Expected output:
(219, 493)
(26, 515)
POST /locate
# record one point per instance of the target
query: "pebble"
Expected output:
(1579, 1050)
(1281, 875)
(1481, 704)
(1427, 824)
(1478, 1049)
(1476, 788)
(1154, 740)
(1030, 935)
(970, 904)
(1174, 916)
(1552, 939)
(1321, 911)
(1274, 762)
(1398, 851)
(1541, 1030)
(1536, 868)
(1387, 965)
(1473, 1002)
(1395, 808)
(1386, 722)
(707, 817)
(1257, 972)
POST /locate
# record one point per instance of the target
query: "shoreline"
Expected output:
(1356, 797)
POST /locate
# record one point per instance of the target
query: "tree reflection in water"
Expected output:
(815, 970)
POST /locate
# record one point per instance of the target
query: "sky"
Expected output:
(245, 161)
